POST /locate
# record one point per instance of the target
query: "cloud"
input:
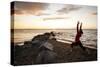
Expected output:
(69, 8)
(41, 8)
(94, 13)
(27, 8)
(55, 18)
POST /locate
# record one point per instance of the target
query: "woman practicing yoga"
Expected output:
(78, 35)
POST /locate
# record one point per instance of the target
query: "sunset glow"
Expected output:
(53, 16)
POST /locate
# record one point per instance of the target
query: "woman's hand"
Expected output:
(78, 22)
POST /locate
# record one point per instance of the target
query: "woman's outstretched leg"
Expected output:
(81, 45)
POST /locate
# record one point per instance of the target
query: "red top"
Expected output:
(77, 38)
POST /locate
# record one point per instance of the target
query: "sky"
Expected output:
(35, 15)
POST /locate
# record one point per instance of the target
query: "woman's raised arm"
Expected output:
(77, 26)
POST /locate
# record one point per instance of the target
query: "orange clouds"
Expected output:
(95, 13)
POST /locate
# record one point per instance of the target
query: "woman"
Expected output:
(78, 36)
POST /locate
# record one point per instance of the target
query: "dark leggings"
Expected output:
(77, 43)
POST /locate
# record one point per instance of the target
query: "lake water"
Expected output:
(89, 37)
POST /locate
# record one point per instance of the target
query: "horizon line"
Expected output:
(55, 29)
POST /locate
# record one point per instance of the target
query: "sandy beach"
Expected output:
(25, 55)
(77, 55)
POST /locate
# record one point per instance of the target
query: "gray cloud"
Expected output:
(37, 8)
(69, 8)
(28, 7)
